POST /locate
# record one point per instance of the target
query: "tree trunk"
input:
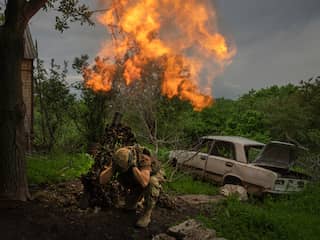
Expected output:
(13, 179)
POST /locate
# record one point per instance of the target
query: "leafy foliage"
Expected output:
(287, 113)
(70, 11)
(53, 104)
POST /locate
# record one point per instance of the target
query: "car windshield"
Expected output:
(252, 152)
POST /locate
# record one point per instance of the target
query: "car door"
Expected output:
(221, 159)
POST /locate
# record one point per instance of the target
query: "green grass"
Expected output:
(289, 217)
(187, 185)
(57, 167)
(183, 183)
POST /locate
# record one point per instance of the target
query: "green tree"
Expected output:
(310, 98)
(277, 112)
(54, 101)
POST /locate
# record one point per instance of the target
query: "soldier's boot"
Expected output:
(145, 219)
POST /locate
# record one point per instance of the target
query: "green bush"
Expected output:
(57, 167)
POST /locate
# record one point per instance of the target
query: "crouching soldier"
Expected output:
(140, 174)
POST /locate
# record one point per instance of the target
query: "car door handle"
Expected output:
(229, 164)
(203, 157)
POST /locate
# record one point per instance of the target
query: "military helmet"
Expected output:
(121, 159)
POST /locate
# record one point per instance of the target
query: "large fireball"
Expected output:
(148, 30)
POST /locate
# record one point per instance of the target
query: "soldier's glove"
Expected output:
(132, 161)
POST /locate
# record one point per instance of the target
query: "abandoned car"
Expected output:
(258, 167)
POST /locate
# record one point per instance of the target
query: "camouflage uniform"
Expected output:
(136, 191)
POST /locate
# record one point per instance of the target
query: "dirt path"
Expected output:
(54, 215)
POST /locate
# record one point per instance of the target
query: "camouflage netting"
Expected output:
(116, 135)
(94, 194)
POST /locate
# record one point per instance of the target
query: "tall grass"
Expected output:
(187, 185)
(183, 183)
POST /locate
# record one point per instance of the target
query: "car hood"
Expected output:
(277, 154)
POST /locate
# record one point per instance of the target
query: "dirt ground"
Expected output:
(54, 214)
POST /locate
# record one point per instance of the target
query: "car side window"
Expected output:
(223, 149)
(252, 152)
(205, 146)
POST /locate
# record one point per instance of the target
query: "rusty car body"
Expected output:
(258, 167)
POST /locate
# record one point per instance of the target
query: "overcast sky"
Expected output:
(277, 42)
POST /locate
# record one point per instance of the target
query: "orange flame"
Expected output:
(100, 78)
(184, 32)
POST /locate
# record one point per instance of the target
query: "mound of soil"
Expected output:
(54, 214)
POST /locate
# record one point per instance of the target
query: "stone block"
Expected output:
(191, 230)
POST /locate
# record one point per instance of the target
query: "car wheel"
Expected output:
(232, 180)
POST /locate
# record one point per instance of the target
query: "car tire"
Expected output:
(232, 180)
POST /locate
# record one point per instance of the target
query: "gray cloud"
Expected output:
(283, 56)
(65, 46)
(252, 20)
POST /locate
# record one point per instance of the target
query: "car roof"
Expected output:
(235, 139)
(283, 143)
